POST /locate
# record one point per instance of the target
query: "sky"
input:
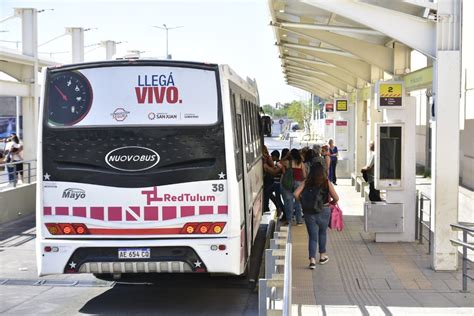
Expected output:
(234, 32)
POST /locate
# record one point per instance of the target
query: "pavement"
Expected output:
(368, 278)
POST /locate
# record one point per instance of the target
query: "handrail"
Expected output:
(467, 229)
(10, 170)
(421, 197)
(288, 279)
(275, 289)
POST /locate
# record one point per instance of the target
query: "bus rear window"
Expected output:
(131, 95)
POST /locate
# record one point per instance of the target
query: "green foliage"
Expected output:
(268, 109)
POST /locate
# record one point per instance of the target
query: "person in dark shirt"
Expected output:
(333, 153)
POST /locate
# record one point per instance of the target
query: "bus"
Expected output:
(147, 166)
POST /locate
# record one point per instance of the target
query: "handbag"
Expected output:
(336, 220)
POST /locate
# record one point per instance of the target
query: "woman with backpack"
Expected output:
(293, 175)
(315, 194)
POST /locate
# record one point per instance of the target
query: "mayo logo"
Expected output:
(73, 193)
(132, 158)
(155, 89)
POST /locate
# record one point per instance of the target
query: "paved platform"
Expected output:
(368, 278)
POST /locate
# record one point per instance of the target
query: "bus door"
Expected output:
(240, 168)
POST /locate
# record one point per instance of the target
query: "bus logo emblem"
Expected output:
(132, 158)
(73, 193)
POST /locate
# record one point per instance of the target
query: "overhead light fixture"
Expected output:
(281, 11)
(284, 35)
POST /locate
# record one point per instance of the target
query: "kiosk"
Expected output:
(393, 219)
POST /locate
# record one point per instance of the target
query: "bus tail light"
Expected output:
(81, 229)
(203, 228)
(217, 228)
(67, 229)
(189, 228)
(53, 229)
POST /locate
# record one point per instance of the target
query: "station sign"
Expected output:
(341, 105)
(390, 94)
(329, 107)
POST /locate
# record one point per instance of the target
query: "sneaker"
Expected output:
(324, 260)
(312, 265)
(299, 224)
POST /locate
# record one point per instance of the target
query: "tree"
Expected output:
(268, 109)
(300, 111)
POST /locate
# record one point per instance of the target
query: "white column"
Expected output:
(30, 75)
(110, 49)
(360, 134)
(77, 43)
(445, 127)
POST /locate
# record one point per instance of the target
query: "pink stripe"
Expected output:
(115, 213)
(60, 210)
(222, 209)
(97, 213)
(134, 209)
(79, 211)
(169, 212)
(151, 213)
(203, 210)
(187, 211)
(47, 210)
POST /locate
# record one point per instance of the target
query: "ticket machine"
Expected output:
(393, 219)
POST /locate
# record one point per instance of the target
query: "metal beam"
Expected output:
(378, 55)
(331, 28)
(313, 84)
(315, 80)
(322, 76)
(309, 89)
(11, 88)
(345, 80)
(319, 49)
(357, 68)
(330, 70)
(415, 32)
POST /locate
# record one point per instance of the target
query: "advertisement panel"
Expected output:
(329, 107)
(329, 128)
(341, 131)
(132, 95)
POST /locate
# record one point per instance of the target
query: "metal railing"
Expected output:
(11, 175)
(275, 289)
(467, 229)
(423, 211)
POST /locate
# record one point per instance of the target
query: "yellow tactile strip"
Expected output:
(303, 287)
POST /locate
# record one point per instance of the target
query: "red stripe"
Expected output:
(138, 231)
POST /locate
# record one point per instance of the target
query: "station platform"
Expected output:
(368, 278)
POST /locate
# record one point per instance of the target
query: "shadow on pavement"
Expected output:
(178, 295)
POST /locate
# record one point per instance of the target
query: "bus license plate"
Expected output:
(134, 253)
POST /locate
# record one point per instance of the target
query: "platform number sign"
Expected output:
(390, 94)
(341, 105)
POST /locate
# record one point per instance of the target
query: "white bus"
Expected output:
(147, 167)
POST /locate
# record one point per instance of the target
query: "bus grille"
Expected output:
(136, 267)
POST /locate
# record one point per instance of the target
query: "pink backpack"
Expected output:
(336, 221)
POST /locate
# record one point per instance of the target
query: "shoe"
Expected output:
(299, 224)
(324, 260)
(312, 266)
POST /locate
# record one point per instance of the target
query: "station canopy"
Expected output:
(329, 47)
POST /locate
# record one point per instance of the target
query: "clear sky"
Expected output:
(234, 32)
